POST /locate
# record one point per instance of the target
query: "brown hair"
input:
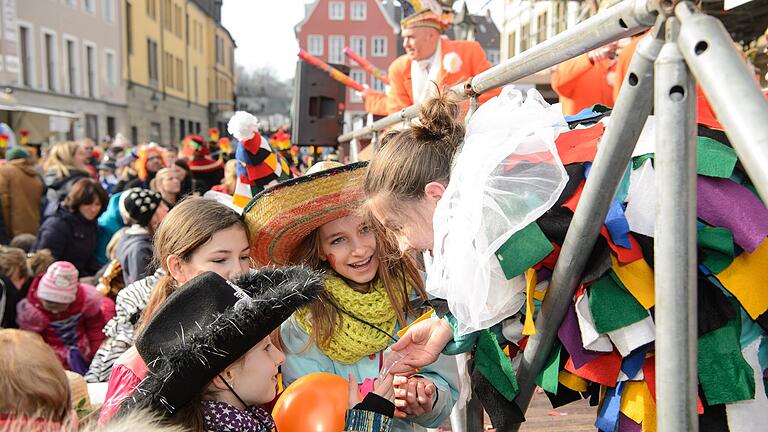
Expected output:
(13, 260)
(394, 269)
(230, 176)
(61, 157)
(410, 159)
(32, 381)
(84, 192)
(39, 261)
(189, 225)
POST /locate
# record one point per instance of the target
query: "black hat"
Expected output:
(140, 204)
(208, 324)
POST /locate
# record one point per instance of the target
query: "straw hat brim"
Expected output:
(282, 216)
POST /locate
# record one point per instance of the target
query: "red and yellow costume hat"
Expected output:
(436, 14)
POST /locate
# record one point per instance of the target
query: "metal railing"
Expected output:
(683, 44)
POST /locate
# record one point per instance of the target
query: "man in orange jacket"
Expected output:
(586, 80)
(429, 59)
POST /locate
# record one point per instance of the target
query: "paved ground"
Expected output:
(574, 417)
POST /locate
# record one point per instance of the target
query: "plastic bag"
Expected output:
(507, 174)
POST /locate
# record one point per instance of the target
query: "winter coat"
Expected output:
(59, 187)
(9, 297)
(134, 252)
(74, 334)
(109, 222)
(70, 237)
(21, 192)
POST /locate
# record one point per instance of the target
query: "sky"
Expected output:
(263, 30)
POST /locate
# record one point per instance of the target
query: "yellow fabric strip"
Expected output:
(637, 404)
(745, 279)
(573, 382)
(637, 277)
(530, 280)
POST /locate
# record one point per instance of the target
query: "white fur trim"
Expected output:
(452, 62)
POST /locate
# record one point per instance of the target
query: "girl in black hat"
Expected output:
(212, 363)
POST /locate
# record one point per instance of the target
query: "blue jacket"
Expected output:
(70, 237)
(110, 222)
(298, 363)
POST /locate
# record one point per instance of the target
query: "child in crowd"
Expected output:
(134, 251)
(66, 313)
(198, 235)
(369, 287)
(34, 390)
(226, 327)
(14, 273)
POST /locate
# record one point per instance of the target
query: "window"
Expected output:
(561, 17)
(357, 11)
(90, 69)
(180, 74)
(134, 135)
(493, 57)
(151, 9)
(315, 45)
(177, 20)
(155, 132)
(152, 62)
(70, 51)
(172, 128)
(111, 128)
(71, 3)
(525, 36)
(196, 88)
(541, 28)
(168, 69)
(108, 8)
(357, 43)
(336, 49)
(379, 46)
(25, 52)
(89, 6)
(336, 11)
(50, 61)
(219, 50)
(182, 128)
(512, 48)
(92, 127)
(359, 76)
(129, 27)
(110, 67)
(377, 84)
(167, 13)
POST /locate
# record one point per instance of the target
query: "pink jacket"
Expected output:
(128, 371)
(74, 334)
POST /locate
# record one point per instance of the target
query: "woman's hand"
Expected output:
(421, 345)
(413, 396)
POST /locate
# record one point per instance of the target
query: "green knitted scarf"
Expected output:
(352, 339)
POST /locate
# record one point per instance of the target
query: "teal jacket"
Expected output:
(443, 374)
(110, 222)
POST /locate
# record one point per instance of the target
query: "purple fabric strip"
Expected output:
(570, 336)
(724, 203)
(626, 424)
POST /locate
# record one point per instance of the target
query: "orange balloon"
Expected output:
(316, 402)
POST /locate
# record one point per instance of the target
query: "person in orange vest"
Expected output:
(430, 60)
(586, 80)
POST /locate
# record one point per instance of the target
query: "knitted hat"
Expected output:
(208, 324)
(16, 153)
(436, 14)
(141, 204)
(59, 283)
(282, 216)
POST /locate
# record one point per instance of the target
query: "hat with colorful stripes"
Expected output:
(437, 14)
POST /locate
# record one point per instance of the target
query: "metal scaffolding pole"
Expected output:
(675, 240)
(624, 19)
(613, 155)
(737, 99)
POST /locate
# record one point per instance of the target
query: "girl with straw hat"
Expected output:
(369, 291)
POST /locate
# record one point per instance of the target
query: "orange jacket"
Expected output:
(581, 84)
(400, 91)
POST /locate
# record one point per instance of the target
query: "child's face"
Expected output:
(254, 377)
(226, 254)
(410, 222)
(54, 307)
(349, 246)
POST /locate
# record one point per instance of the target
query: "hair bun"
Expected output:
(439, 118)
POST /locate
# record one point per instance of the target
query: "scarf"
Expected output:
(352, 340)
(221, 416)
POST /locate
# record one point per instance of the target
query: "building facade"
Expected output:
(366, 26)
(527, 23)
(179, 62)
(61, 61)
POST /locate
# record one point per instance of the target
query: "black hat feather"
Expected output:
(208, 324)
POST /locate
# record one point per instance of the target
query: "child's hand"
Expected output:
(382, 387)
(413, 396)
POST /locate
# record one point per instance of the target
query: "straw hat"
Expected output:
(282, 216)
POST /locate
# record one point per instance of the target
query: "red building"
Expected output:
(366, 26)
